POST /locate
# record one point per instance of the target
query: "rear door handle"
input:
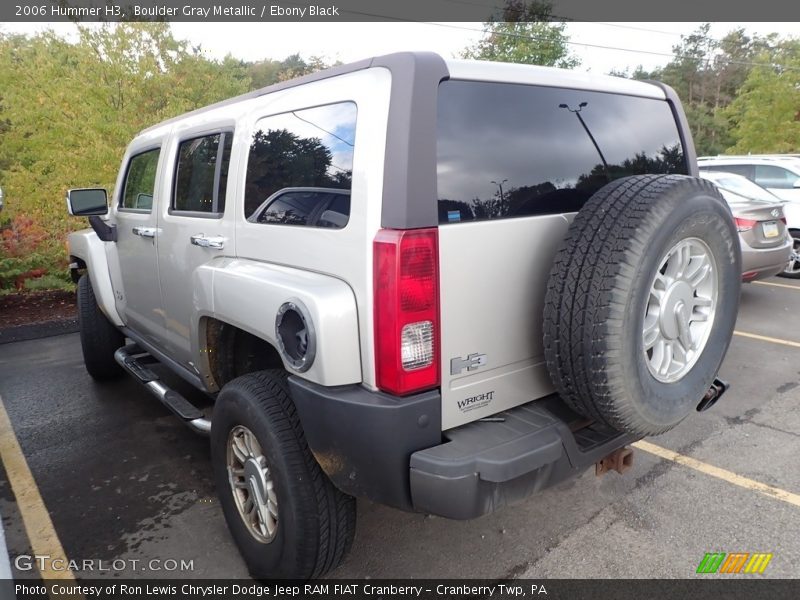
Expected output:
(145, 232)
(217, 243)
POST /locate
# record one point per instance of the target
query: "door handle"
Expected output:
(217, 243)
(145, 232)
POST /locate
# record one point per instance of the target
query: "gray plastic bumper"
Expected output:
(486, 465)
(392, 450)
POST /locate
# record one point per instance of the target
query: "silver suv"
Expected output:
(437, 284)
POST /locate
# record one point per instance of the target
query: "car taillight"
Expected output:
(744, 224)
(406, 293)
(783, 219)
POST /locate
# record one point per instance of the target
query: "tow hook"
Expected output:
(620, 460)
(713, 394)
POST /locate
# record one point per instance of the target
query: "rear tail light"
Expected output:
(783, 219)
(744, 224)
(406, 292)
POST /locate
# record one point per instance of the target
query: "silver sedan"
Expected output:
(765, 240)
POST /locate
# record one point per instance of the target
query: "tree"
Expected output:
(526, 35)
(266, 72)
(707, 75)
(765, 116)
(71, 109)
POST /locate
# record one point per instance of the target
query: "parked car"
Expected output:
(767, 247)
(779, 174)
(479, 280)
(2, 199)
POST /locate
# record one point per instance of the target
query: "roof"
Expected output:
(460, 69)
(551, 77)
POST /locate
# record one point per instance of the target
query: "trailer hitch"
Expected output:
(620, 460)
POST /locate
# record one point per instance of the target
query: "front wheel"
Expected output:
(792, 269)
(99, 337)
(286, 517)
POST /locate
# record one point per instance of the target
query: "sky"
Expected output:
(646, 44)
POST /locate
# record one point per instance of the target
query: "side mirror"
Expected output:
(87, 202)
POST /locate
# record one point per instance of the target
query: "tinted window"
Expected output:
(507, 150)
(303, 206)
(775, 177)
(140, 181)
(201, 175)
(311, 148)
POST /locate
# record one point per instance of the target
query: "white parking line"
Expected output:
(38, 525)
(780, 285)
(729, 476)
(765, 338)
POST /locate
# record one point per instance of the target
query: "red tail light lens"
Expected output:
(744, 224)
(406, 293)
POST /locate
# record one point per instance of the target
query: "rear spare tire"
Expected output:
(642, 300)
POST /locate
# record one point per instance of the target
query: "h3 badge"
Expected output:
(471, 363)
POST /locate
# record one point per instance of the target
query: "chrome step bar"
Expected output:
(128, 358)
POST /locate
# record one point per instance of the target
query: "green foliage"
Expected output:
(69, 109)
(50, 282)
(765, 116)
(732, 102)
(266, 72)
(525, 35)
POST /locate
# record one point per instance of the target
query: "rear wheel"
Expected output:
(99, 337)
(287, 518)
(792, 270)
(642, 300)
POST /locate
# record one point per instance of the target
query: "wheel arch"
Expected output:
(228, 351)
(88, 252)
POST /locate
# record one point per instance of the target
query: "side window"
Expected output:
(775, 177)
(300, 167)
(201, 175)
(743, 170)
(140, 181)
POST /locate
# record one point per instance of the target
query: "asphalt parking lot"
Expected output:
(122, 479)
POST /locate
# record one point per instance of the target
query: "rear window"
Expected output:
(509, 150)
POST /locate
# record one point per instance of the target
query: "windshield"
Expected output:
(745, 187)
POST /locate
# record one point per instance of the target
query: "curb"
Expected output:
(34, 331)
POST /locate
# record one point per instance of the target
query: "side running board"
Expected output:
(128, 359)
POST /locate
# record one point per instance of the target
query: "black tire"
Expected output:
(99, 337)
(598, 291)
(792, 270)
(316, 522)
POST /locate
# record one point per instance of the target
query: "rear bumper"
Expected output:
(484, 466)
(392, 451)
(760, 263)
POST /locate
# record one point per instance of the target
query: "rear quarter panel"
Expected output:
(248, 294)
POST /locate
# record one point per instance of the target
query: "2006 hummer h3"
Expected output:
(440, 285)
